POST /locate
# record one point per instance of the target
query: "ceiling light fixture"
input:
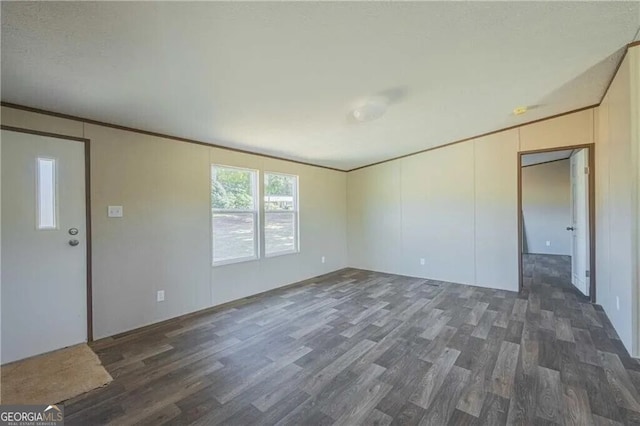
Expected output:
(370, 109)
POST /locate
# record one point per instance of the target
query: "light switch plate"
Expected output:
(115, 211)
(160, 297)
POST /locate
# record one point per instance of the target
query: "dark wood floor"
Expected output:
(358, 347)
(550, 275)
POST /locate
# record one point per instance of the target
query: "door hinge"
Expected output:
(586, 170)
(587, 273)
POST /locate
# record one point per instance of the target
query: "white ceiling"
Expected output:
(545, 157)
(281, 78)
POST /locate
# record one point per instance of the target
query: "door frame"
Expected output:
(591, 207)
(87, 197)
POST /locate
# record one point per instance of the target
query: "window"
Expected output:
(234, 214)
(46, 194)
(280, 214)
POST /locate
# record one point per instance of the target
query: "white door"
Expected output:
(43, 257)
(580, 220)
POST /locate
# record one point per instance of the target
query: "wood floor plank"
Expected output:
(474, 394)
(485, 324)
(494, 410)
(601, 396)
(476, 313)
(447, 397)
(368, 312)
(602, 421)
(362, 347)
(576, 407)
(377, 418)
(363, 403)
(405, 376)
(434, 327)
(339, 403)
(278, 390)
(504, 373)
(318, 381)
(519, 310)
(410, 415)
(563, 330)
(625, 393)
(434, 378)
(590, 314)
(294, 398)
(547, 320)
(585, 349)
(264, 373)
(549, 395)
(434, 349)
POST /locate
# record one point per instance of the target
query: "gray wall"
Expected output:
(546, 207)
(163, 242)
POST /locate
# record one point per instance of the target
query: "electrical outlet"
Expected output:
(115, 211)
(160, 296)
(548, 243)
(422, 260)
(323, 259)
(618, 302)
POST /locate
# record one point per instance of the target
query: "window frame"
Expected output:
(54, 195)
(295, 212)
(255, 186)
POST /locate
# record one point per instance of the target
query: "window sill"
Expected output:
(234, 261)
(281, 253)
(252, 259)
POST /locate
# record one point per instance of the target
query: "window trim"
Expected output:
(55, 194)
(255, 174)
(295, 211)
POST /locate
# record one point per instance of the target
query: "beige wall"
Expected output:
(546, 207)
(617, 164)
(496, 219)
(571, 129)
(163, 242)
(456, 206)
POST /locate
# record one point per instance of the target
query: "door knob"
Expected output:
(73, 243)
(570, 228)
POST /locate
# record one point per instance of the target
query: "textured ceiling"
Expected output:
(281, 78)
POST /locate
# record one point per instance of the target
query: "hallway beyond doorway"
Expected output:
(550, 276)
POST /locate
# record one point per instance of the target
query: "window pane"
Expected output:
(232, 189)
(46, 193)
(280, 232)
(279, 191)
(233, 236)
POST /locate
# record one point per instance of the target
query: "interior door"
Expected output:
(580, 221)
(43, 261)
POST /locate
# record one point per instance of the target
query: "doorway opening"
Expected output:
(556, 218)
